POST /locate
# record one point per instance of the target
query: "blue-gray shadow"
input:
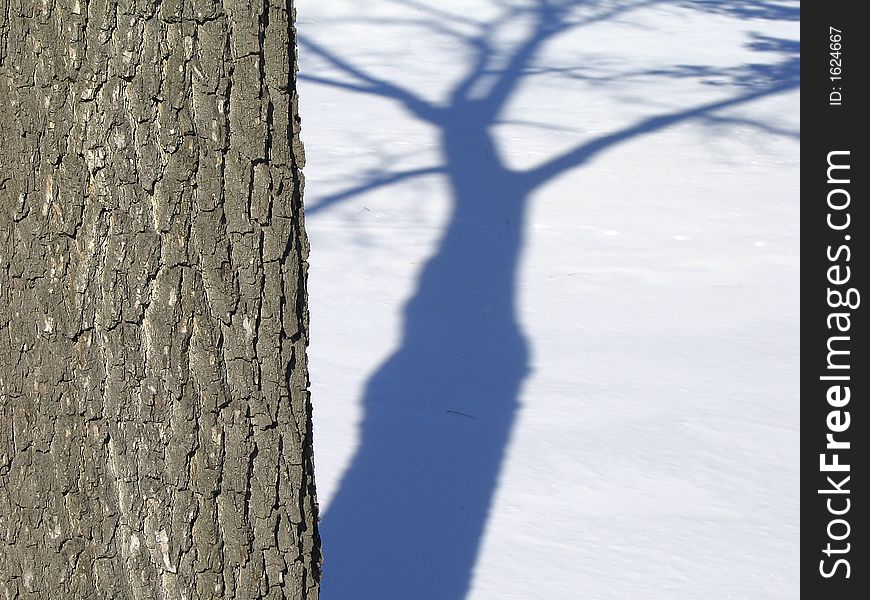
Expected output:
(410, 512)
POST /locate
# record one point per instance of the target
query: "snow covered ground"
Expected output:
(554, 297)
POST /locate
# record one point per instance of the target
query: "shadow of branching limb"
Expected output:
(412, 506)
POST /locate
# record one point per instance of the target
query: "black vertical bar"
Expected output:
(834, 224)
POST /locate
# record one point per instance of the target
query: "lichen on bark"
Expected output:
(155, 422)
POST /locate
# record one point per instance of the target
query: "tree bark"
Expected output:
(155, 423)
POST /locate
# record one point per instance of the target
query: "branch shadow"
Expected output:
(411, 509)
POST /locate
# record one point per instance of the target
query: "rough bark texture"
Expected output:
(155, 425)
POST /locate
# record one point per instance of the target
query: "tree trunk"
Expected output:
(155, 424)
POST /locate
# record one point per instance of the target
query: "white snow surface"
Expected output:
(650, 450)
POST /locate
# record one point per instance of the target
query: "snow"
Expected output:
(615, 417)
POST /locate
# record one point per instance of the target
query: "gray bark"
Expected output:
(155, 423)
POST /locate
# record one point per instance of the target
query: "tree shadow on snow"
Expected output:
(410, 512)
